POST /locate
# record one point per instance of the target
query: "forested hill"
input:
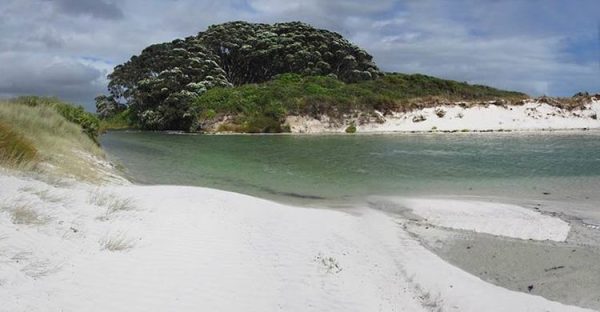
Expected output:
(259, 73)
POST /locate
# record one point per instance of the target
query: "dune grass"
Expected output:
(39, 137)
(88, 122)
(23, 213)
(15, 150)
(112, 203)
(117, 242)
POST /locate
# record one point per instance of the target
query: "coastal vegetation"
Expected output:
(118, 121)
(45, 134)
(159, 85)
(249, 77)
(263, 107)
(15, 150)
(89, 123)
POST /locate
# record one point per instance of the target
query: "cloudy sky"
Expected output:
(66, 48)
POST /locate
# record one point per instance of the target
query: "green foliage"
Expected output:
(15, 150)
(351, 128)
(252, 53)
(161, 83)
(121, 120)
(88, 122)
(258, 123)
(418, 86)
(76, 114)
(254, 104)
(107, 107)
(60, 144)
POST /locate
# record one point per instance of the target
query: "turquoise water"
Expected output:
(306, 169)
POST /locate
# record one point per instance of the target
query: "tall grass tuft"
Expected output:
(15, 150)
(117, 242)
(24, 213)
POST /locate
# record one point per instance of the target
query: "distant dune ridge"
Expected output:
(531, 115)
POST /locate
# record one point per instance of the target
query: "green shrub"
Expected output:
(121, 120)
(76, 114)
(351, 128)
(262, 124)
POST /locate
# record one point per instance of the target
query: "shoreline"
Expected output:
(220, 243)
(556, 265)
(399, 132)
(530, 117)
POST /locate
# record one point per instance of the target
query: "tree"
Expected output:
(160, 83)
(153, 82)
(107, 107)
(252, 53)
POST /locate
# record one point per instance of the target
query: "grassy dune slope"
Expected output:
(76, 114)
(39, 138)
(262, 107)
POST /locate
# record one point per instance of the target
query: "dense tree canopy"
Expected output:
(160, 84)
(252, 53)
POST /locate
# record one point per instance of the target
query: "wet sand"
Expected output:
(567, 272)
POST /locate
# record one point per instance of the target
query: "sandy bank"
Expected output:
(77, 247)
(510, 245)
(531, 116)
(486, 217)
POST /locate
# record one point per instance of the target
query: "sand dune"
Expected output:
(532, 116)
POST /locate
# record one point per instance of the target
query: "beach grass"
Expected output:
(117, 242)
(88, 122)
(23, 213)
(15, 150)
(40, 138)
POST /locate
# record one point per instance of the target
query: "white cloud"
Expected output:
(428, 40)
(97, 8)
(30, 73)
(508, 44)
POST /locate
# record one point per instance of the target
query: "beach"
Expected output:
(73, 246)
(532, 115)
(157, 221)
(263, 156)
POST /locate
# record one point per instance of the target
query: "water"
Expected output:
(341, 168)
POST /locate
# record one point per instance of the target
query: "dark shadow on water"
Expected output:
(292, 194)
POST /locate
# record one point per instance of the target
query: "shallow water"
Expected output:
(343, 168)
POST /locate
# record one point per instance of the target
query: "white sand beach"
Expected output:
(299, 156)
(79, 247)
(531, 116)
